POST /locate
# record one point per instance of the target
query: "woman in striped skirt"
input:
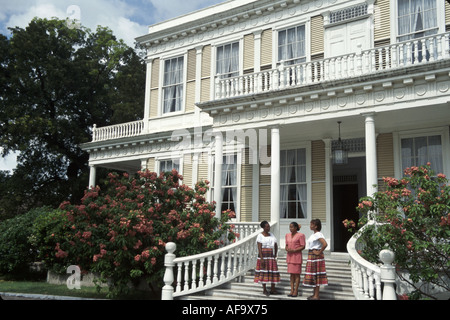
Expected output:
(316, 274)
(266, 266)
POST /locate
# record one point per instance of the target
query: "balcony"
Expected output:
(398, 56)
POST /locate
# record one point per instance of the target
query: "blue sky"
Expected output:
(128, 19)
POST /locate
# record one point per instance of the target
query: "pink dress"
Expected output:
(294, 259)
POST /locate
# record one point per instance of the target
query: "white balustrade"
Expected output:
(210, 269)
(367, 277)
(398, 55)
(123, 130)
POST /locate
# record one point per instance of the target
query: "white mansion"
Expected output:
(293, 109)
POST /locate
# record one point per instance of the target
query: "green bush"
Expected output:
(413, 220)
(121, 232)
(16, 248)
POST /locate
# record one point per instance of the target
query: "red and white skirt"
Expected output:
(267, 270)
(315, 273)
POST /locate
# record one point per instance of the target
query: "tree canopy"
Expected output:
(56, 83)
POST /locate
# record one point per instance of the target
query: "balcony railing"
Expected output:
(391, 57)
(398, 55)
(123, 130)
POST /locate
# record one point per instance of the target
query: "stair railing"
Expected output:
(369, 281)
(193, 274)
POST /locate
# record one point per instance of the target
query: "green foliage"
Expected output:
(57, 82)
(16, 249)
(121, 232)
(413, 220)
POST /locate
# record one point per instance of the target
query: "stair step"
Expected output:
(339, 284)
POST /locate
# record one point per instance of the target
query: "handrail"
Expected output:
(221, 266)
(363, 62)
(367, 278)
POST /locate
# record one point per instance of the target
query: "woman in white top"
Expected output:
(266, 266)
(316, 275)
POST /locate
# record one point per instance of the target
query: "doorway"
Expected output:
(349, 184)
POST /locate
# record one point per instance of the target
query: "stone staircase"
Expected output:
(339, 283)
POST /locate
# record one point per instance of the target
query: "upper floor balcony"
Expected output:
(402, 56)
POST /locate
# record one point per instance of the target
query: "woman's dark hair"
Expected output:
(263, 224)
(317, 223)
(295, 224)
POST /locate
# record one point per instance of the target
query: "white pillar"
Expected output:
(218, 172)
(371, 155)
(328, 228)
(275, 180)
(92, 174)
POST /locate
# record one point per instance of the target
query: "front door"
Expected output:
(345, 201)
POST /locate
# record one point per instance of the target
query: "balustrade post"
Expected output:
(167, 290)
(388, 274)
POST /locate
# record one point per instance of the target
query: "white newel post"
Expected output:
(275, 180)
(167, 290)
(218, 173)
(388, 274)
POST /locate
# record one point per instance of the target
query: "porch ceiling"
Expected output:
(353, 125)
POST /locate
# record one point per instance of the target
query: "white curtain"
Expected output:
(292, 175)
(415, 16)
(418, 151)
(229, 177)
(173, 87)
(228, 60)
(291, 45)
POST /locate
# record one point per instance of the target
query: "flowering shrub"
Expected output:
(121, 233)
(413, 220)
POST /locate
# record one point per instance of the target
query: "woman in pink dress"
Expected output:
(295, 243)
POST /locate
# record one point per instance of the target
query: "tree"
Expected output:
(57, 82)
(413, 220)
(120, 232)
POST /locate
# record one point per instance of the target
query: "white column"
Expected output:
(92, 174)
(371, 154)
(275, 180)
(148, 80)
(218, 172)
(328, 229)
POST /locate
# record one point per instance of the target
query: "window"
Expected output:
(229, 183)
(416, 19)
(293, 186)
(168, 165)
(228, 60)
(173, 85)
(420, 150)
(291, 45)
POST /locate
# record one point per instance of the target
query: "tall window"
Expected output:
(416, 18)
(420, 150)
(229, 183)
(293, 186)
(168, 165)
(173, 85)
(228, 60)
(291, 45)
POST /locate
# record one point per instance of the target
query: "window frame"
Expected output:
(440, 12)
(162, 86)
(443, 132)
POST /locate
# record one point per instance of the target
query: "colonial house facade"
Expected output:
(292, 109)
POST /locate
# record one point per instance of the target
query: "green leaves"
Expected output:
(415, 217)
(57, 82)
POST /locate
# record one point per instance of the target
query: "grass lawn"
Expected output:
(42, 287)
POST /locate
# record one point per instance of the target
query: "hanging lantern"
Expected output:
(340, 154)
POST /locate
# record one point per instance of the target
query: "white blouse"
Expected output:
(267, 242)
(313, 242)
